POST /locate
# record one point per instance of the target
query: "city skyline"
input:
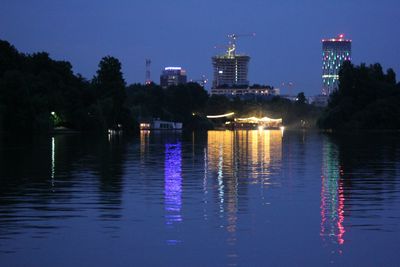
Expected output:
(287, 47)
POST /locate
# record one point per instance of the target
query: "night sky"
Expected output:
(287, 46)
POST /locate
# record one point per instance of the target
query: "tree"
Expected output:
(10, 58)
(183, 100)
(367, 98)
(33, 86)
(110, 87)
(301, 99)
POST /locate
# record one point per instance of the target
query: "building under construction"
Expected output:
(230, 69)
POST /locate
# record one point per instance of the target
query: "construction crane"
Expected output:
(232, 43)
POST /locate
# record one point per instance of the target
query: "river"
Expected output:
(217, 198)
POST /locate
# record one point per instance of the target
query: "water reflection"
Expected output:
(144, 142)
(206, 192)
(173, 187)
(238, 159)
(253, 155)
(369, 179)
(332, 196)
(173, 183)
(53, 159)
(110, 168)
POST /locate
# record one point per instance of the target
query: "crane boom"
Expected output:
(231, 50)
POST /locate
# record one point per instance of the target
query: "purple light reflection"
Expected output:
(173, 183)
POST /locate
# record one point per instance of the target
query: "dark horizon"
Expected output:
(287, 42)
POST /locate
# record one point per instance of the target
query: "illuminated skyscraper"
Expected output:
(334, 52)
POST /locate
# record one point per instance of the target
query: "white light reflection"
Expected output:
(53, 160)
(282, 129)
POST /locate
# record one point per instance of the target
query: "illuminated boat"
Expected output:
(254, 123)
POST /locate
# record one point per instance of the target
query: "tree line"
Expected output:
(367, 98)
(38, 93)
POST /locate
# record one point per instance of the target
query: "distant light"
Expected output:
(220, 116)
(172, 68)
(221, 71)
(145, 126)
(53, 113)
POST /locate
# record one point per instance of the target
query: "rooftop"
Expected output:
(340, 38)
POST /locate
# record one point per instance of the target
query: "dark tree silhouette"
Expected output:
(367, 98)
(301, 98)
(110, 88)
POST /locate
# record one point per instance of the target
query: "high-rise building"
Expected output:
(230, 77)
(172, 76)
(230, 70)
(334, 52)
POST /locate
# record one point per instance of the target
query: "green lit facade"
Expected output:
(334, 52)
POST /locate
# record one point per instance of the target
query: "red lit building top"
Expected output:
(340, 38)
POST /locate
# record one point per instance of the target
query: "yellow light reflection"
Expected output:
(235, 156)
(144, 141)
(229, 151)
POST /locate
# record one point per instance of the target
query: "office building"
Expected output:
(172, 76)
(334, 52)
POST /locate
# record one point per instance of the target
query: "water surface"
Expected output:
(222, 198)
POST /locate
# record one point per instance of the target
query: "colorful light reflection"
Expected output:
(332, 198)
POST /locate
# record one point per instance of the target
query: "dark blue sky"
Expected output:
(287, 46)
